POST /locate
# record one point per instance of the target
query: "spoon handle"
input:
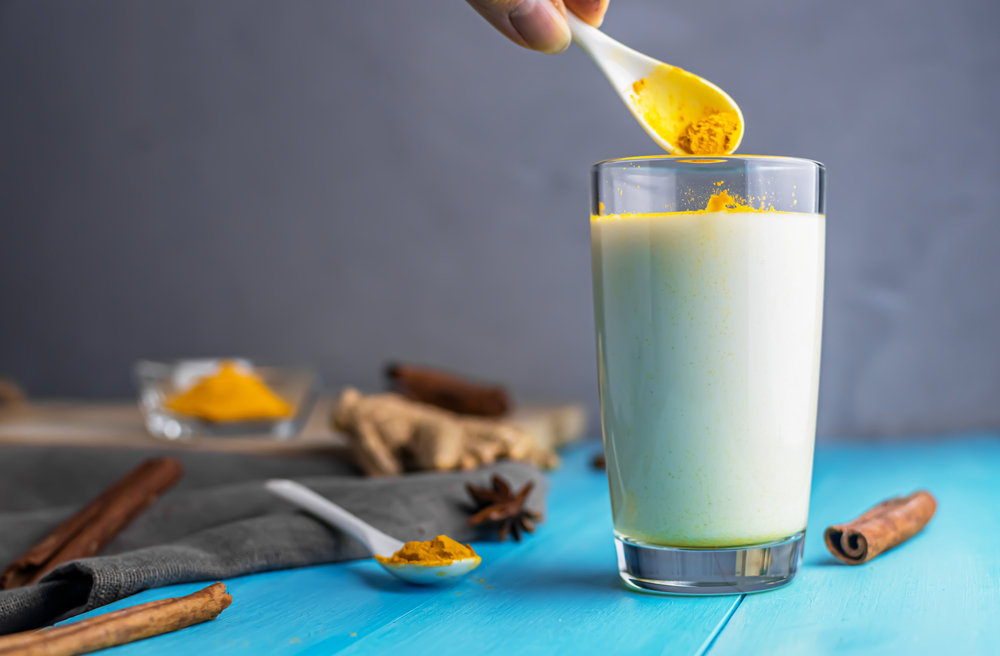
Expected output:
(594, 42)
(301, 496)
(619, 63)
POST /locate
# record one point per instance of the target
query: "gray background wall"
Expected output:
(345, 182)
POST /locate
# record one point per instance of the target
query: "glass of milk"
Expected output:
(708, 303)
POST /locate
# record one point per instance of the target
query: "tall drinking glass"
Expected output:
(708, 303)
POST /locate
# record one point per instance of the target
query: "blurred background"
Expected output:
(349, 182)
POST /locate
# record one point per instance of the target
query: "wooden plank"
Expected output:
(938, 593)
(558, 595)
(558, 591)
(66, 423)
(120, 425)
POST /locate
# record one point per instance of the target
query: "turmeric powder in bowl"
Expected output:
(233, 393)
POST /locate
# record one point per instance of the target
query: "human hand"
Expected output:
(539, 24)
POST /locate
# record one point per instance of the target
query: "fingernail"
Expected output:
(541, 25)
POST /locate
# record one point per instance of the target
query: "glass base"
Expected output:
(729, 570)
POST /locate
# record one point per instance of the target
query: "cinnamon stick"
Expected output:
(121, 626)
(11, 393)
(880, 528)
(448, 391)
(88, 531)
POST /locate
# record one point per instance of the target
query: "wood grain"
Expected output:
(121, 626)
(49, 423)
(938, 593)
(556, 592)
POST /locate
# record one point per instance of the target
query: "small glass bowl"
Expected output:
(159, 381)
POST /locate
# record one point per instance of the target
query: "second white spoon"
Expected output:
(378, 543)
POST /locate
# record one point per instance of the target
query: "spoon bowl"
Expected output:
(664, 99)
(432, 574)
(377, 542)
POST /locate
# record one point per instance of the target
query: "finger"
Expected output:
(535, 24)
(589, 11)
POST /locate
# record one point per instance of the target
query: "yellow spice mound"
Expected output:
(442, 550)
(230, 395)
(723, 202)
(713, 135)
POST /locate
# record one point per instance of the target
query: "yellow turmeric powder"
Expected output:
(231, 394)
(442, 550)
(685, 112)
(723, 202)
(713, 135)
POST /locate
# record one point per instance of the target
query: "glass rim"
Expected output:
(707, 159)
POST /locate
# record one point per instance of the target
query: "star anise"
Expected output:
(501, 507)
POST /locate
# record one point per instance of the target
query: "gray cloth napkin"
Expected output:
(208, 533)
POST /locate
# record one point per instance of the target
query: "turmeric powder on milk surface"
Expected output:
(231, 394)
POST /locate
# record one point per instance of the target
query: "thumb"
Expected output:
(535, 24)
(589, 11)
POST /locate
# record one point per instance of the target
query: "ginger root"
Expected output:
(390, 434)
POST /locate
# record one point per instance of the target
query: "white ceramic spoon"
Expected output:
(675, 97)
(377, 542)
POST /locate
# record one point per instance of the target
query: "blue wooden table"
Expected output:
(559, 590)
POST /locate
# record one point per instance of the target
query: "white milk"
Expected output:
(708, 347)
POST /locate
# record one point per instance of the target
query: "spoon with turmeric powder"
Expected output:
(435, 561)
(682, 112)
